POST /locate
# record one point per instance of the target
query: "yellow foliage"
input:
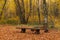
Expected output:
(11, 7)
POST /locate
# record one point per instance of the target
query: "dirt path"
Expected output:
(11, 33)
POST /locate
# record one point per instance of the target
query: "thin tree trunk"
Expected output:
(39, 11)
(18, 10)
(45, 15)
(30, 11)
(3, 8)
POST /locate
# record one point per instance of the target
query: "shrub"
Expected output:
(10, 21)
(2, 21)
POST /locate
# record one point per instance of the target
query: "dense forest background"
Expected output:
(29, 11)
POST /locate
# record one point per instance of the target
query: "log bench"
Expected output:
(36, 29)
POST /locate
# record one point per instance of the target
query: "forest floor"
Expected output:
(11, 33)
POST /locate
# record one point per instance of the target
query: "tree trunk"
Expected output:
(39, 11)
(3, 8)
(21, 11)
(45, 15)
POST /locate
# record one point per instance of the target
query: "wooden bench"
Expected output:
(36, 29)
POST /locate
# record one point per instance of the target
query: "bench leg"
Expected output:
(32, 30)
(37, 31)
(46, 30)
(23, 30)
